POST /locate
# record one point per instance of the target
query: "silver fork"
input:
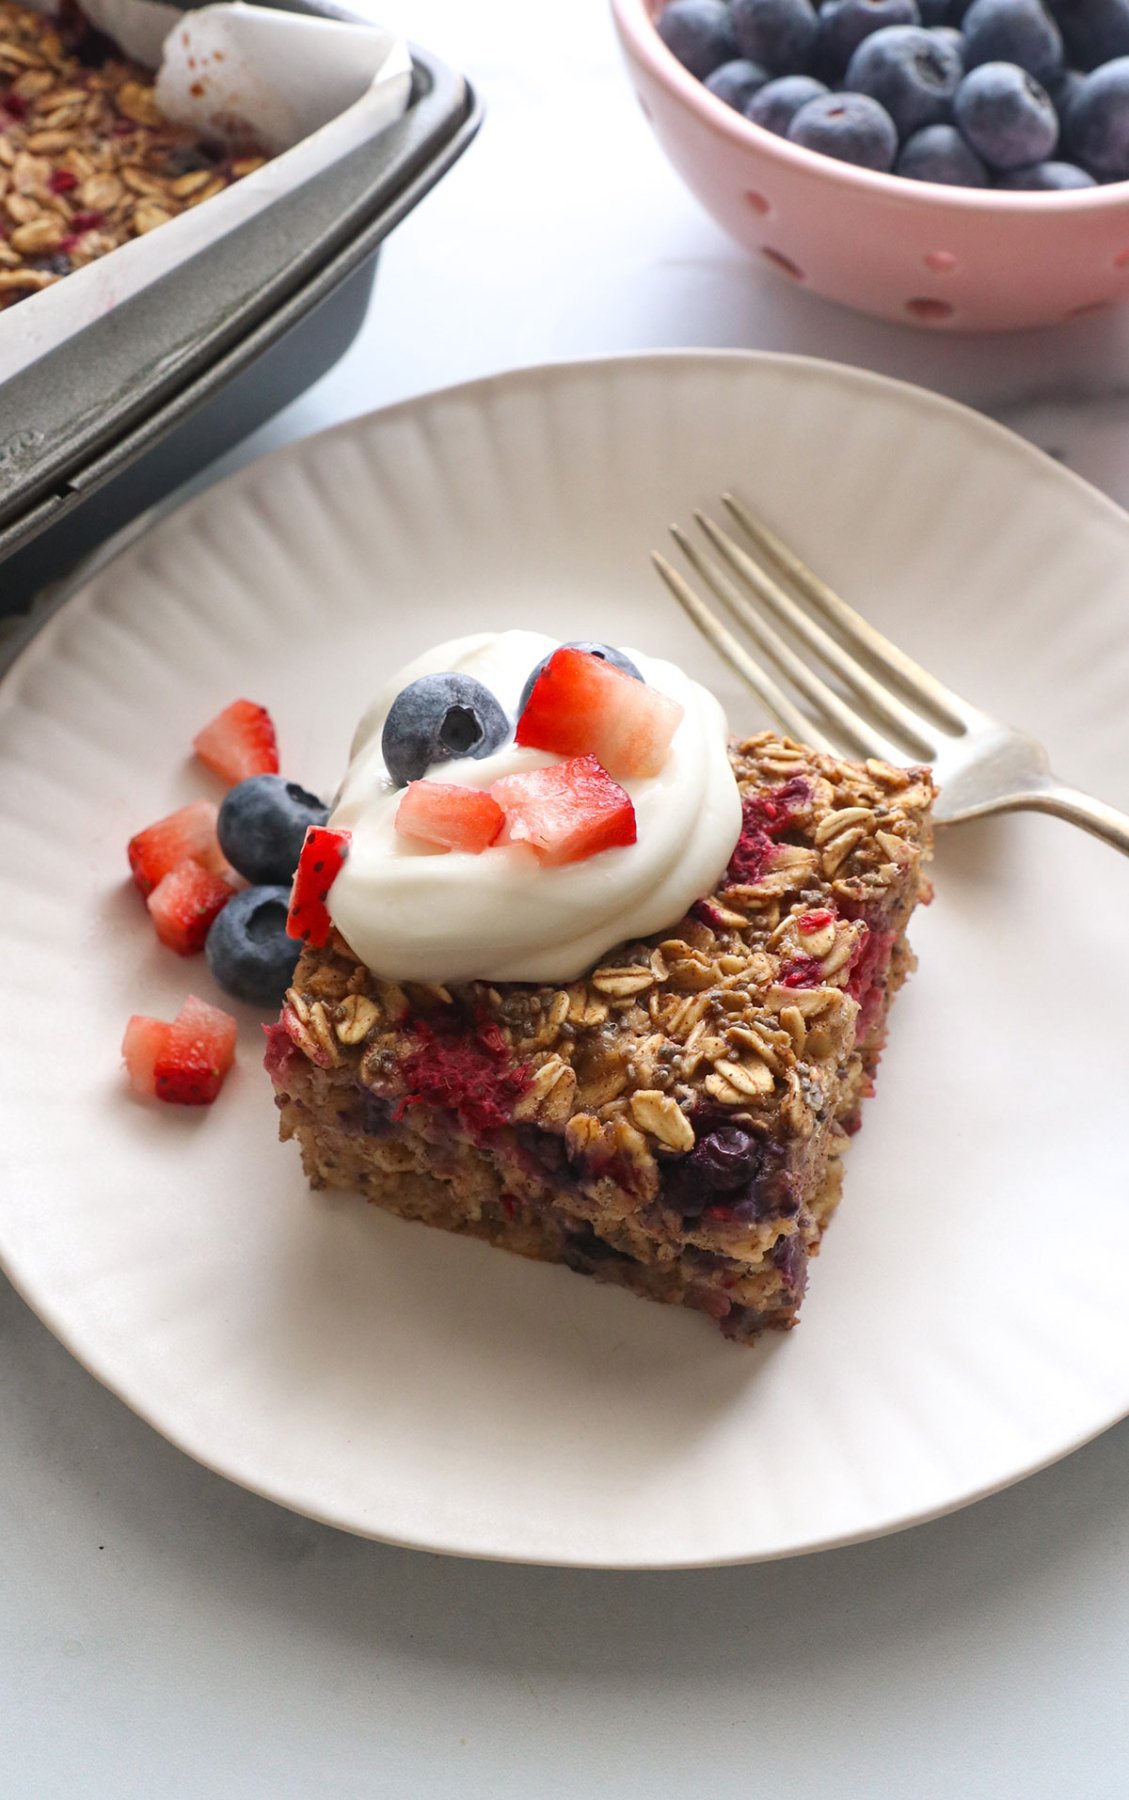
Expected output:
(898, 711)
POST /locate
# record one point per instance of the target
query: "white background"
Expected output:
(164, 1634)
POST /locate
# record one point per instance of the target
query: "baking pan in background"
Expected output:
(136, 403)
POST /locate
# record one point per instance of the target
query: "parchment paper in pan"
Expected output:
(308, 89)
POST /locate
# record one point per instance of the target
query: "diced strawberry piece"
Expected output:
(566, 812)
(189, 834)
(198, 1052)
(184, 903)
(454, 817)
(322, 859)
(144, 1043)
(239, 742)
(583, 705)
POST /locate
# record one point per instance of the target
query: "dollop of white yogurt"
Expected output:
(413, 913)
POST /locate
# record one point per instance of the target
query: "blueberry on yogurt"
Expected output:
(437, 718)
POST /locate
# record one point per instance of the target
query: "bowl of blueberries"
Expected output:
(957, 164)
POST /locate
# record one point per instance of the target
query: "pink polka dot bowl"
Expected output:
(945, 258)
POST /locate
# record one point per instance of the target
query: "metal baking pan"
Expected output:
(140, 400)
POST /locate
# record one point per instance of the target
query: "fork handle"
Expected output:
(1077, 808)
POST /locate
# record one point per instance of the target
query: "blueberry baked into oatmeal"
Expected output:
(87, 162)
(607, 989)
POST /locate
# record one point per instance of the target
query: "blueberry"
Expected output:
(778, 103)
(685, 1191)
(93, 49)
(699, 33)
(736, 82)
(436, 718)
(778, 34)
(791, 1258)
(1047, 178)
(1064, 94)
(723, 1169)
(1065, 91)
(727, 1158)
(850, 127)
(912, 72)
(373, 1114)
(1095, 31)
(187, 159)
(844, 23)
(934, 12)
(605, 652)
(939, 153)
(949, 34)
(57, 263)
(247, 948)
(1013, 31)
(1006, 116)
(262, 824)
(1099, 121)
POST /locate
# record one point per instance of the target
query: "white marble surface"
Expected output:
(164, 1634)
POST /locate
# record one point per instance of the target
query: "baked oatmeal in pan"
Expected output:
(87, 162)
(671, 1118)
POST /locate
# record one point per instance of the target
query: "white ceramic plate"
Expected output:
(967, 1320)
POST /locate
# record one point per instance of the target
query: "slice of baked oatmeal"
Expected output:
(674, 1121)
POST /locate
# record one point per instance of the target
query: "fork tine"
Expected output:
(947, 707)
(892, 711)
(793, 721)
(861, 736)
